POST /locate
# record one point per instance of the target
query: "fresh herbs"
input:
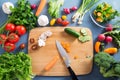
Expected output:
(15, 66)
(85, 7)
(105, 12)
(54, 7)
(21, 15)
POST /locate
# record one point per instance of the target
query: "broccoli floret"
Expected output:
(103, 59)
(107, 64)
(114, 71)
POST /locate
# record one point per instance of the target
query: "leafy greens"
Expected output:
(54, 7)
(15, 66)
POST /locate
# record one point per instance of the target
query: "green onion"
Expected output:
(85, 7)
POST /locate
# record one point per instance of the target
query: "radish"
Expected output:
(109, 27)
(66, 11)
(101, 37)
(33, 6)
(74, 8)
(108, 39)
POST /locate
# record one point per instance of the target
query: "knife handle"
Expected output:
(74, 77)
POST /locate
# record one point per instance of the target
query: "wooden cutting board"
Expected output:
(43, 55)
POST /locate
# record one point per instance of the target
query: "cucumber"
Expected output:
(84, 38)
(72, 32)
(83, 32)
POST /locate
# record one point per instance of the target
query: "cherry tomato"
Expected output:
(10, 27)
(58, 20)
(65, 23)
(13, 38)
(22, 46)
(3, 38)
(20, 30)
(9, 47)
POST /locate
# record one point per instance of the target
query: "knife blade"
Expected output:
(66, 59)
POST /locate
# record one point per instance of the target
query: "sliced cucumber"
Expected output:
(84, 38)
(83, 32)
(72, 32)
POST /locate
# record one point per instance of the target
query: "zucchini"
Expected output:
(72, 32)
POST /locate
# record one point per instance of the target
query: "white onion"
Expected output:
(6, 7)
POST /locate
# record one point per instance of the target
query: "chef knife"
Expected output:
(66, 59)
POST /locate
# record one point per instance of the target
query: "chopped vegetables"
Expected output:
(32, 40)
(34, 47)
(85, 6)
(84, 37)
(40, 7)
(104, 12)
(51, 63)
(43, 37)
(111, 50)
(54, 7)
(15, 66)
(43, 20)
(66, 46)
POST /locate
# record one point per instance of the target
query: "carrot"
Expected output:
(97, 46)
(40, 7)
(66, 46)
(51, 63)
(111, 50)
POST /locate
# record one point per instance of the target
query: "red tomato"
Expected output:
(3, 38)
(65, 23)
(58, 20)
(20, 30)
(9, 47)
(10, 27)
(13, 38)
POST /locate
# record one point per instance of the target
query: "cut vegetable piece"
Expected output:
(83, 32)
(84, 38)
(51, 63)
(66, 46)
(72, 32)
